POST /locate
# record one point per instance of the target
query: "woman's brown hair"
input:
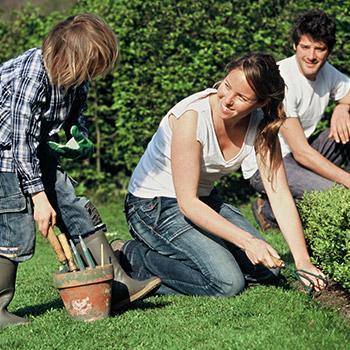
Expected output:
(80, 48)
(263, 76)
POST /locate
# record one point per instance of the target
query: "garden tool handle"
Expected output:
(56, 246)
(278, 262)
(67, 251)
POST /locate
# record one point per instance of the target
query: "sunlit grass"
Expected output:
(262, 317)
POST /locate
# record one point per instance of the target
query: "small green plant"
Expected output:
(326, 220)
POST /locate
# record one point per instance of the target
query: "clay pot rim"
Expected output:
(83, 278)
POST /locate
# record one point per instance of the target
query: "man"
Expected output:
(311, 164)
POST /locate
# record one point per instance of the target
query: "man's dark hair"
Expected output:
(316, 24)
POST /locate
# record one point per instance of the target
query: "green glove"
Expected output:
(78, 147)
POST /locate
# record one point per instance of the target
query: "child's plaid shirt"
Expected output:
(32, 110)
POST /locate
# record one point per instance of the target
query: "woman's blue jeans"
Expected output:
(188, 260)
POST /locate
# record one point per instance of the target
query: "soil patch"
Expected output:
(333, 296)
(336, 297)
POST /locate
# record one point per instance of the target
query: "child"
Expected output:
(42, 91)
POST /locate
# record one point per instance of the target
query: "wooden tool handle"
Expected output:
(56, 246)
(67, 251)
(278, 262)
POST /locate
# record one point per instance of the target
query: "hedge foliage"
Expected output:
(169, 49)
(326, 221)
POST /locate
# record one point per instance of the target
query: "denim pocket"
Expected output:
(147, 205)
(150, 210)
(13, 204)
(157, 222)
(11, 198)
(17, 229)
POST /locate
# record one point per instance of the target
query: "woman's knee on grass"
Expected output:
(230, 283)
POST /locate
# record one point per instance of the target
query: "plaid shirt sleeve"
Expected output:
(27, 100)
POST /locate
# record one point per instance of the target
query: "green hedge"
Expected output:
(169, 49)
(326, 221)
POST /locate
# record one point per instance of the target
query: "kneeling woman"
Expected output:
(184, 233)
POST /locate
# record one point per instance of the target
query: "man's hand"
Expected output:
(340, 124)
(78, 147)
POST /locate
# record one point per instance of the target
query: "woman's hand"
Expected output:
(317, 283)
(44, 214)
(260, 252)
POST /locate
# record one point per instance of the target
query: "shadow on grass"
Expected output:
(285, 279)
(36, 310)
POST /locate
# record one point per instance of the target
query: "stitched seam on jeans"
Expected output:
(232, 208)
(157, 234)
(169, 243)
(9, 252)
(210, 283)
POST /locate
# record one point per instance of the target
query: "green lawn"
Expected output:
(263, 317)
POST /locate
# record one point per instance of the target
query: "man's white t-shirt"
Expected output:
(305, 99)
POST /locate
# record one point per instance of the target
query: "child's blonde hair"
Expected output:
(80, 48)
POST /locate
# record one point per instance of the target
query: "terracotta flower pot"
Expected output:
(86, 294)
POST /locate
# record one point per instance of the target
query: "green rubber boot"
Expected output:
(8, 273)
(125, 290)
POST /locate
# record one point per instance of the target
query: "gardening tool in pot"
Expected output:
(67, 251)
(62, 250)
(77, 256)
(57, 248)
(87, 293)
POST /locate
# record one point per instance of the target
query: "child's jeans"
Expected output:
(17, 227)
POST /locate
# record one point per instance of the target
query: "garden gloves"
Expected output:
(78, 147)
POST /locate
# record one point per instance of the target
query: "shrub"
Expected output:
(326, 220)
(169, 49)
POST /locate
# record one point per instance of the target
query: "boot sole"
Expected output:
(149, 289)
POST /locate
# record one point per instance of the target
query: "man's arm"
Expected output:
(340, 121)
(307, 156)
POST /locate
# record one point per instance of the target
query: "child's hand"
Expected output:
(44, 214)
(78, 147)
